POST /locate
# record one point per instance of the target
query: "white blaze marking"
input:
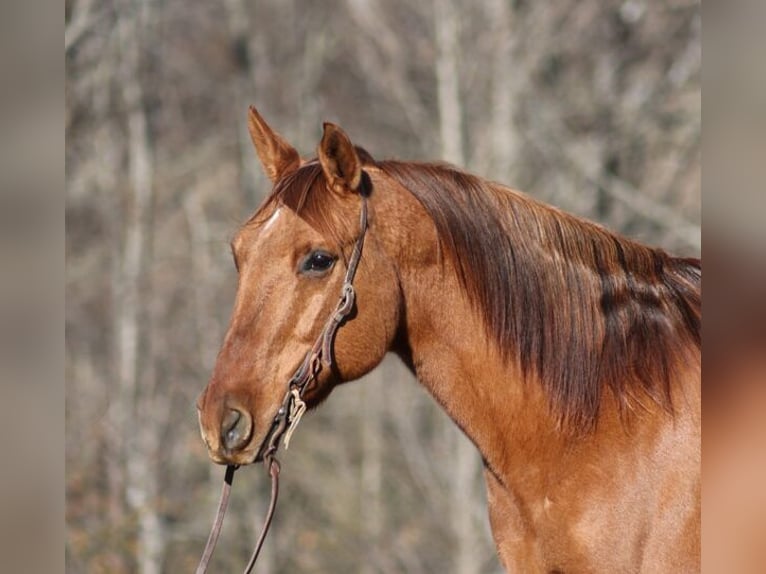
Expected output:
(270, 221)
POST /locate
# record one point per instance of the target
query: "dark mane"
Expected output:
(577, 306)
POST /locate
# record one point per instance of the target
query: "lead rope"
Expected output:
(215, 531)
(274, 473)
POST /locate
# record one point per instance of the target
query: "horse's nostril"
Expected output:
(235, 430)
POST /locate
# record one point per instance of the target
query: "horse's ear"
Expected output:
(277, 156)
(339, 159)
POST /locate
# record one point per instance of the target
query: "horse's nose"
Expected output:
(236, 429)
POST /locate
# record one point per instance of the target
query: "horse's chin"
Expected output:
(241, 458)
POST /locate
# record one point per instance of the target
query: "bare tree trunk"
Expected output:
(242, 37)
(134, 423)
(507, 82)
(466, 559)
(208, 334)
(312, 69)
(116, 415)
(448, 82)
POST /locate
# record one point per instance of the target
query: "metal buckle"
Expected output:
(297, 408)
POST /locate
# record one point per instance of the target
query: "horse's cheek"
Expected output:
(363, 342)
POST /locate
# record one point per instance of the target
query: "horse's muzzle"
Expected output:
(227, 430)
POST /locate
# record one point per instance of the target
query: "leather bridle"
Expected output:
(292, 408)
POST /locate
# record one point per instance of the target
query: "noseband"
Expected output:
(292, 408)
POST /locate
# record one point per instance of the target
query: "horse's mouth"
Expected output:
(238, 458)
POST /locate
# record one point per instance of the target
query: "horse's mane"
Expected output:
(575, 305)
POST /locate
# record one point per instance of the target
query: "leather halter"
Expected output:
(292, 408)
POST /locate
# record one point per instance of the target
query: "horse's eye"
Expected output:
(317, 262)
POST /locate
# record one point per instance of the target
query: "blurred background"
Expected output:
(591, 105)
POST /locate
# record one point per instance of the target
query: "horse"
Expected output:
(568, 354)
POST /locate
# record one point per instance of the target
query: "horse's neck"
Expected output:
(445, 342)
(452, 356)
(553, 496)
(443, 338)
(508, 418)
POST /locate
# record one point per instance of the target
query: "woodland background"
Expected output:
(592, 105)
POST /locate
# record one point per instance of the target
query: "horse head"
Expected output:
(292, 257)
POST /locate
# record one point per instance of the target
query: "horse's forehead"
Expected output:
(269, 229)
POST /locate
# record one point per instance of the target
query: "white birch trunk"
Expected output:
(448, 82)
(242, 36)
(507, 81)
(139, 429)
